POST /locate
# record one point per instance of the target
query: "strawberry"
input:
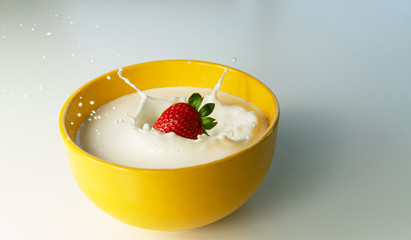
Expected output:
(185, 120)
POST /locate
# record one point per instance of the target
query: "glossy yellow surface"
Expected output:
(170, 199)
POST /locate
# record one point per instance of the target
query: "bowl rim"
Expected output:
(74, 147)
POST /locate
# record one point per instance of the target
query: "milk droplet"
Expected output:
(32, 29)
(114, 107)
(98, 117)
(234, 59)
(21, 25)
(48, 34)
(92, 102)
(96, 26)
(25, 95)
(11, 93)
(189, 62)
(44, 57)
(68, 17)
(81, 97)
(68, 138)
(108, 77)
(89, 119)
(40, 87)
(73, 54)
(80, 104)
(71, 22)
(79, 114)
(71, 123)
(56, 15)
(3, 37)
(93, 112)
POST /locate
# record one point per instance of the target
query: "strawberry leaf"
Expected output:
(208, 123)
(195, 100)
(207, 109)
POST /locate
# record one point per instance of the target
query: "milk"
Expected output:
(121, 131)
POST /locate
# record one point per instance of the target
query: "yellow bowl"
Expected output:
(170, 199)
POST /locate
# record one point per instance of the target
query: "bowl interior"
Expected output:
(170, 73)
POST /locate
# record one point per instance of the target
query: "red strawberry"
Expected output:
(184, 120)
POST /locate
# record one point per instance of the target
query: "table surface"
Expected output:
(340, 69)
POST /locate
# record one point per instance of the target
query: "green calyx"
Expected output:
(206, 122)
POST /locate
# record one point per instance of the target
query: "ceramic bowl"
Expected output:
(170, 199)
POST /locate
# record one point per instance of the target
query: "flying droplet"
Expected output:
(80, 104)
(108, 77)
(92, 102)
(48, 33)
(234, 59)
(79, 114)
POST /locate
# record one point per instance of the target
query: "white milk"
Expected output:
(121, 131)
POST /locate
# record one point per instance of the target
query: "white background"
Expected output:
(340, 69)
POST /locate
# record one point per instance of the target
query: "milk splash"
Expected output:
(235, 124)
